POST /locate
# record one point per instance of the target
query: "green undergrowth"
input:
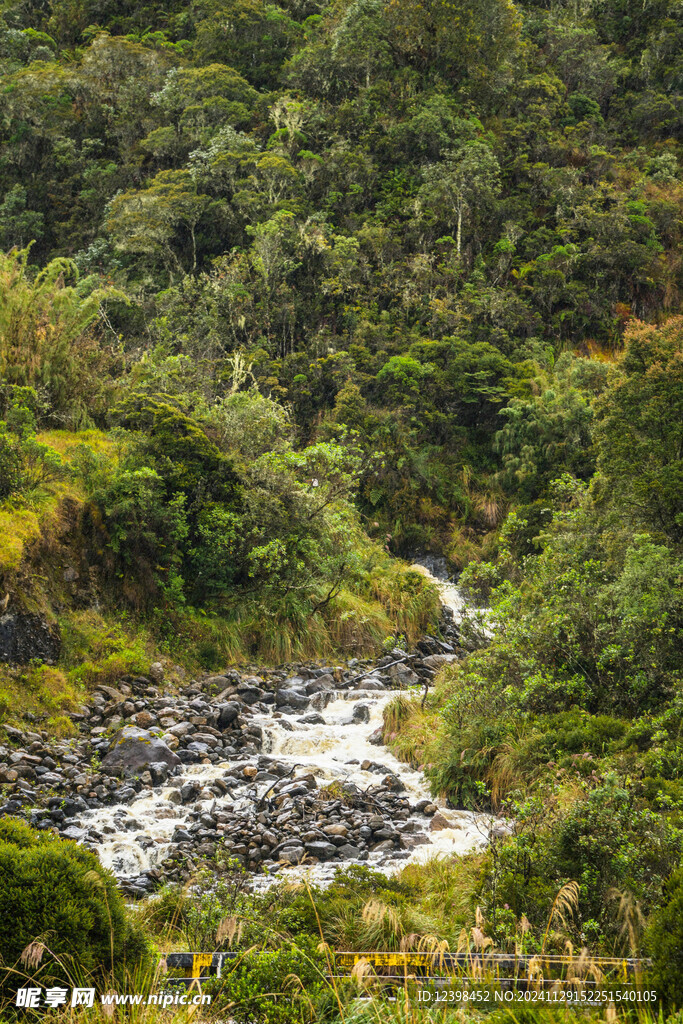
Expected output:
(108, 630)
(39, 692)
(35, 516)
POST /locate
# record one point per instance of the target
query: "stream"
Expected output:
(333, 747)
(282, 769)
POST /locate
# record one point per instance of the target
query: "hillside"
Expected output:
(294, 293)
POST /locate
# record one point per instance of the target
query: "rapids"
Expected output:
(138, 836)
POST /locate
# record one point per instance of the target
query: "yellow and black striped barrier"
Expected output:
(429, 967)
(201, 965)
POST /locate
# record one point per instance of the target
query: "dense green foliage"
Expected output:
(569, 717)
(55, 893)
(394, 214)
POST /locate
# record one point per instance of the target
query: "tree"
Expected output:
(47, 338)
(151, 221)
(18, 224)
(467, 179)
(457, 38)
(640, 428)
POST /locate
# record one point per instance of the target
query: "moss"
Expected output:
(61, 726)
(19, 527)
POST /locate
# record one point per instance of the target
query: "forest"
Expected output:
(292, 294)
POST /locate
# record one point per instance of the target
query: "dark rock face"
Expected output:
(24, 637)
(135, 749)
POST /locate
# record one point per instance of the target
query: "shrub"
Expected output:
(278, 987)
(58, 893)
(665, 940)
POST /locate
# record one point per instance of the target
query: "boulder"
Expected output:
(313, 718)
(435, 661)
(144, 719)
(370, 683)
(249, 694)
(403, 675)
(321, 850)
(135, 749)
(156, 672)
(227, 713)
(322, 683)
(292, 699)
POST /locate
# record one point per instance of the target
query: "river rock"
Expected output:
(292, 854)
(249, 694)
(292, 699)
(321, 850)
(435, 661)
(439, 822)
(403, 675)
(314, 718)
(135, 749)
(370, 683)
(361, 713)
(322, 683)
(227, 713)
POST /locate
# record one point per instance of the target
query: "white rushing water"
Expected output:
(137, 836)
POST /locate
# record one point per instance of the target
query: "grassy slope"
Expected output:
(39, 538)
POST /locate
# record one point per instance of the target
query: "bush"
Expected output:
(278, 987)
(57, 892)
(665, 941)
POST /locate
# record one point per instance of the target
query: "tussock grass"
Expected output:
(65, 442)
(98, 649)
(39, 690)
(412, 733)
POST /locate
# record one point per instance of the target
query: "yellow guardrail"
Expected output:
(428, 964)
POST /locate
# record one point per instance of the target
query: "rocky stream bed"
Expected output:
(281, 770)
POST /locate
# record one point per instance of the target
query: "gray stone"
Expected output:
(159, 772)
(321, 850)
(292, 854)
(322, 683)
(348, 851)
(227, 713)
(435, 661)
(156, 672)
(370, 683)
(135, 749)
(249, 694)
(292, 699)
(403, 675)
(314, 718)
